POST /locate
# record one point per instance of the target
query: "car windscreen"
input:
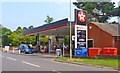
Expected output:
(29, 46)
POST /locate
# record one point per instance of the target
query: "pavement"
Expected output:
(41, 62)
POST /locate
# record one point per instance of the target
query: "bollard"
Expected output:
(58, 53)
(13, 50)
(19, 51)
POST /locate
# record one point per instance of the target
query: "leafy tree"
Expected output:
(29, 39)
(0, 35)
(30, 27)
(49, 19)
(19, 29)
(14, 37)
(4, 35)
(114, 22)
(66, 39)
(24, 29)
(99, 11)
(44, 40)
(17, 37)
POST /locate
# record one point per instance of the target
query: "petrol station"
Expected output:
(81, 35)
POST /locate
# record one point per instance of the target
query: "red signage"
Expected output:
(82, 16)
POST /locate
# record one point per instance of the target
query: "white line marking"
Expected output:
(30, 64)
(2, 56)
(53, 70)
(56, 71)
(11, 58)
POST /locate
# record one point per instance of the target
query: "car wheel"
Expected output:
(26, 52)
(21, 51)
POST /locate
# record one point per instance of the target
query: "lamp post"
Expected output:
(70, 33)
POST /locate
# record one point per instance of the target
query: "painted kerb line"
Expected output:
(56, 71)
(11, 58)
(30, 64)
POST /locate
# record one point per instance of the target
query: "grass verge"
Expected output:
(100, 62)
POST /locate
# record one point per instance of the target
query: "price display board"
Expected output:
(80, 36)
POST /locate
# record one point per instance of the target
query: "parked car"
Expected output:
(25, 48)
(35, 50)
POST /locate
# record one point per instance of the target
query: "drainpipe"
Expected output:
(113, 43)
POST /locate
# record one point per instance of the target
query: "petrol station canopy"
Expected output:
(61, 27)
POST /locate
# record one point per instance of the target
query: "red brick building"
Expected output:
(103, 35)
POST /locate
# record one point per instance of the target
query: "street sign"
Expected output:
(81, 52)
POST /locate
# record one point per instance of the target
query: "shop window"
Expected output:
(90, 43)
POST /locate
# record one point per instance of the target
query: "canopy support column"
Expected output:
(38, 41)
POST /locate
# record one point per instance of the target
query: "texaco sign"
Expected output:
(80, 17)
(80, 29)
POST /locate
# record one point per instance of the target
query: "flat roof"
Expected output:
(60, 27)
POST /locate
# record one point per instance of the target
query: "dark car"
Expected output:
(35, 50)
(25, 48)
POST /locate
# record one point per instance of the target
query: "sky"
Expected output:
(24, 13)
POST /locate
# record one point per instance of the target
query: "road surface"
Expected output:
(33, 62)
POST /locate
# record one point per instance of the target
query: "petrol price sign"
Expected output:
(80, 36)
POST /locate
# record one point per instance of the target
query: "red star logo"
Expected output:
(81, 16)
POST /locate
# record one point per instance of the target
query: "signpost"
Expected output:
(80, 33)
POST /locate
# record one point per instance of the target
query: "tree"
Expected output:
(99, 11)
(44, 40)
(14, 37)
(49, 19)
(30, 27)
(66, 39)
(4, 35)
(19, 29)
(114, 22)
(25, 28)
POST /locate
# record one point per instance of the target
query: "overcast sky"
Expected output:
(14, 13)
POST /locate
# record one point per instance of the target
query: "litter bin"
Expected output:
(58, 52)
(94, 51)
(81, 52)
(110, 51)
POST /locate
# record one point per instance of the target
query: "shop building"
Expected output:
(103, 35)
(99, 34)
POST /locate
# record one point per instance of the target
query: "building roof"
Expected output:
(47, 26)
(60, 27)
(113, 29)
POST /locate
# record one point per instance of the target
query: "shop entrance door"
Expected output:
(90, 43)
